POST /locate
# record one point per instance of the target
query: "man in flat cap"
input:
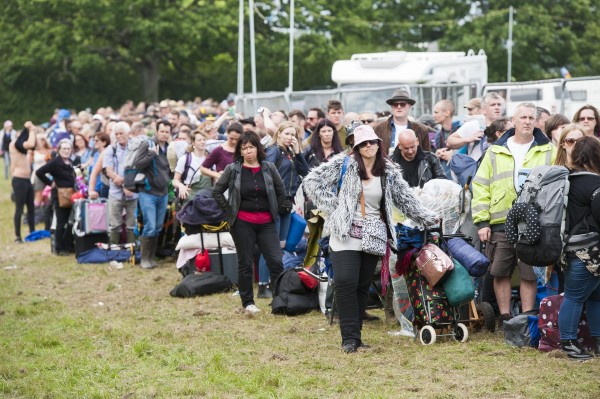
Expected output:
(388, 130)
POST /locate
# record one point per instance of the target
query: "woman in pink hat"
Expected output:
(370, 186)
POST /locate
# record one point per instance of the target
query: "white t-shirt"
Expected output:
(195, 164)
(398, 128)
(518, 152)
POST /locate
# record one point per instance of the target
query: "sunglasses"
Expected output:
(311, 119)
(570, 141)
(372, 142)
(366, 121)
(399, 105)
(587, 118)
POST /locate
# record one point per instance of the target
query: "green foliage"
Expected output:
(547, 35)
(89, 53)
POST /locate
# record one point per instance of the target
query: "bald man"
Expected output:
(418, 166)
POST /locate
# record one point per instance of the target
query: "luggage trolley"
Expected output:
(433, 316)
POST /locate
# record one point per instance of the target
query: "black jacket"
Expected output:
(62, 174)
(157, 171)
(429, 167)
(231, 180)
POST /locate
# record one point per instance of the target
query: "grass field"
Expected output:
(89, 331)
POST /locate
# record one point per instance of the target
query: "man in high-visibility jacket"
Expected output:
(503, 170)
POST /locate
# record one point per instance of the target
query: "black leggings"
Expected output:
(352, 276)
(23, 190)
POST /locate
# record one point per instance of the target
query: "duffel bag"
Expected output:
(458, 285)
(201, 284)
(474, 261)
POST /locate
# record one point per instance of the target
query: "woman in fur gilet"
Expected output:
(366, 169)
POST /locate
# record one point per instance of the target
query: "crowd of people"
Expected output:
(256, 165)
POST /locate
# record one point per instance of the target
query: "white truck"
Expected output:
(401, 67)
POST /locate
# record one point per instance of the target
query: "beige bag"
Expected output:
(433, 263)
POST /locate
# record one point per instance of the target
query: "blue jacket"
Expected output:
(291, 167)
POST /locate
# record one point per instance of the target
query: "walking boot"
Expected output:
(114, 238)
(596, 346)
(573, 349)
(145, 249)
(152, 259)
(264, 291)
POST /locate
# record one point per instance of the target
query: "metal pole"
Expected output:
(291, 61)
(252, 53)
(509, 44)
(240, 71)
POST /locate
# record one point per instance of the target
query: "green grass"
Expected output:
(88, 331)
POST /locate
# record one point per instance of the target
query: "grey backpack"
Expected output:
(536, 222)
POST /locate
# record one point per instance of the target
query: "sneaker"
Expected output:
(18, 240)
(252, 309)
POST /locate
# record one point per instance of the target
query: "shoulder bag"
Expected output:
(374, 232)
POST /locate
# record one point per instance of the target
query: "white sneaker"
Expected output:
(252, 309)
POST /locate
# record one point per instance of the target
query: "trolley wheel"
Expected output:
(461, 333)
(486, 312)
(427, 335)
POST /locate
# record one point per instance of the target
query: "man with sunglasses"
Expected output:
(314, 116)
(389, 129)
(502, 172)
(367, 118)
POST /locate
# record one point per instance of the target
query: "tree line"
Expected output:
(89, 53)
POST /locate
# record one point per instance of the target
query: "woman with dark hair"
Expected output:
(324, 144)
(496, 129)
(553, 127)
(223, 155)
(589, 118)
(582, 271)
(63, 176)
(256, 192)
(371, 186)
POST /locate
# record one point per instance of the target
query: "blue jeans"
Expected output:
(580, 287)
(282, 224)
(153, 209)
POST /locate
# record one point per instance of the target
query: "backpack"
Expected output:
(536, 222)
(133, 178)
(465, 167)
(291, 296)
